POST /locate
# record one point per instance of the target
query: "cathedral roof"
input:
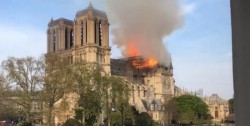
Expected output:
(90, 8)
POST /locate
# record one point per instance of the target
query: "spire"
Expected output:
(90, 6)
(171, 64)
(51, 20)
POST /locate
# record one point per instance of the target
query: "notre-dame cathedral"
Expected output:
(87, 37)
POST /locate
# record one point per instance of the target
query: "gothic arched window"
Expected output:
(54, 41)
(71, 38)
(100, 33)
(81, 33)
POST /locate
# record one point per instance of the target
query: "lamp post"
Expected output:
(121, 110)
(113, 109)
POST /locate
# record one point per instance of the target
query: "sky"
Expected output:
(201, 49)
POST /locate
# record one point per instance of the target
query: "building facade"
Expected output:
(218, 108)
(87, 38)
(151, 86)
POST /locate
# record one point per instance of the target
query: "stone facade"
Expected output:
(150, 86)
(84, 38)
(87, 38)
(218, 108)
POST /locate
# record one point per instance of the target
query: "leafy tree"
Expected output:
(88, 84)
(97, 92)
(119, 96)
(25, 74)
(7, 110)
(57, 82)
(72, 122)
(231, 105)
(188, 109)
(143, 119)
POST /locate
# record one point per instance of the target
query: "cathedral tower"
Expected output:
(85, 38)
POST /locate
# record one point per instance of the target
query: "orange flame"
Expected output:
(132, 50)
(141, 64)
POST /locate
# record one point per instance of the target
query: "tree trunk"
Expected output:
(27, 116)
(50, 120)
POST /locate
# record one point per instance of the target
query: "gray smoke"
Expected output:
(144, 22)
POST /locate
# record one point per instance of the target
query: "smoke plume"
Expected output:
(143, 24)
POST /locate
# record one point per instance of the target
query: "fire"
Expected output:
(144, 63)
(132, 51)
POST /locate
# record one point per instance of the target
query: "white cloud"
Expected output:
(188, 8)
(21, 41)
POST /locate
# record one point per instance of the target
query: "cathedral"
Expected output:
(87, 38)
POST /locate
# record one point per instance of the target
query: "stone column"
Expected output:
(61, 38)
(57, 39)
(68, 34)
(76, 36)
(91, 31)
(48, 40)
(105, 34)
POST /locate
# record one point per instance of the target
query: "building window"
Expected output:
(100, 34)
(144, 93)
(81, 33)
(86, 31)
(152, 107)
(216, 114)
(71, 38)
(54, 41)
(138, 88)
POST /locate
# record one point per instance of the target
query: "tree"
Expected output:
(119, 96)
(72, 122)
(88, 85)
(231, 105)
(97, 92)
(143, 119)
(188, 109)
(7, 108)
(56, 83)
(25, 76)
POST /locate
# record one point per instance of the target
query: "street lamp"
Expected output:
(121, 110)
(113, 109)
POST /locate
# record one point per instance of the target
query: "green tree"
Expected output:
(25, 76)
(56, 82)
(72, 122)
(88, 84)
(143, 119)
(7, 110)
(231, 105)
(119, 96)
(188, 109)
(98, 91)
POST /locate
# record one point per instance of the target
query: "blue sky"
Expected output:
(200, 49)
